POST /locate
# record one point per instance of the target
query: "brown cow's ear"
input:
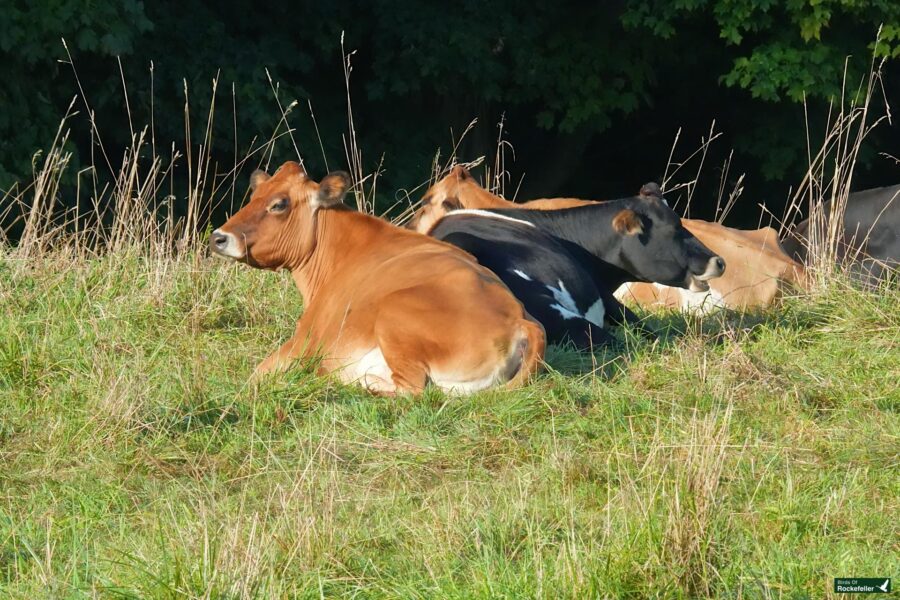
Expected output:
(451, 203)
(651, 190)
(627, 222)
(332, 189)
(257, 177)
(460, 172)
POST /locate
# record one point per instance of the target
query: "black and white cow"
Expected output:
(571, 260)
(550, 280)
(632, 239)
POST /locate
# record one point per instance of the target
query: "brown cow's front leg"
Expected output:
(409, 376)
(408, 372)
(280, 360)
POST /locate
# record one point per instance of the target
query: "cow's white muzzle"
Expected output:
(226, 244)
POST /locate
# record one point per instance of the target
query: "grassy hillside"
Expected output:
(741, 456)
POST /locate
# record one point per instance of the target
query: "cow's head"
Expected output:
(277, 227)
(655, 246)
(458, 189)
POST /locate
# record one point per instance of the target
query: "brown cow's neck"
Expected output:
(484, 198)
(341, 237)
(478, 197)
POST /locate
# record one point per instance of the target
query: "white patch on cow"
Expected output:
(700, 303)
(566, 313)
(456, 384)
(714, 268)
(596, 313)
(565, 304)
(522, 274)
(488, 214)
(371, 371)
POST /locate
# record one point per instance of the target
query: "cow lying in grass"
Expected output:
(384, 307)
(868, 238)
(758, 269)
(758, 272)
(564, 264)
(543, 272)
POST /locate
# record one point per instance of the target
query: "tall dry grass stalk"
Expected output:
(38, 199)
(365, 200)
(497, 177)
(825, 188)
(411, 199)
(132, 204)
(118, 209)
(672, 184)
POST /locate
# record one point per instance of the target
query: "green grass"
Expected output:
(741, 456)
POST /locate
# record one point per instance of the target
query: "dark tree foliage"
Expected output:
(592, 93)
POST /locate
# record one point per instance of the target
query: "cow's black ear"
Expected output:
(332, 189)
(627, 222)
(651, 190)
(451, 203)
(258, 177)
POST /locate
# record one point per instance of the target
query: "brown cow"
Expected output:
(387, 308)
(757, 270)
(458, 189)
(757, 266)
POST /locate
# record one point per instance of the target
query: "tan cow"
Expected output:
(758, 270)
(458, 189)
(757, 266)
(384, 307)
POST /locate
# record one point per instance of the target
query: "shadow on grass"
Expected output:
(301, 389)
(664, 330)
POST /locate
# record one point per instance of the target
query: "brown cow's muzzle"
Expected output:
(413, 222)
(226, 244)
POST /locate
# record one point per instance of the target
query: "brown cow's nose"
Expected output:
(226, 244)
(218, 241)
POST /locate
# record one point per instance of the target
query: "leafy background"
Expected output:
(592, 94)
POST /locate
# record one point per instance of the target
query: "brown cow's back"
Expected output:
(382, 278)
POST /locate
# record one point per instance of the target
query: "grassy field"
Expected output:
(740, 456)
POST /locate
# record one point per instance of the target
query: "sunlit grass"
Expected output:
(737, 456)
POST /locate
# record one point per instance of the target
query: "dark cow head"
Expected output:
(654, 245)
(277, 227)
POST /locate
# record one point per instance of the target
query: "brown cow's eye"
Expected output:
(280, 205)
